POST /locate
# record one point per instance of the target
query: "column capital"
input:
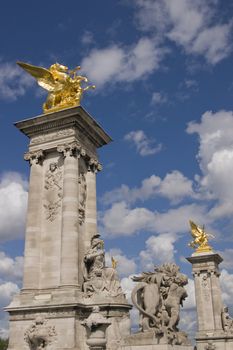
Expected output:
(93, 165)
(72, 149)
(34, 157)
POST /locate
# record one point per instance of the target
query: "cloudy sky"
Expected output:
(163, 71)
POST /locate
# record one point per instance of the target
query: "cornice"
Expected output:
(75, 117)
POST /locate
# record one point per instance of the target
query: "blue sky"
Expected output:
(163, 72)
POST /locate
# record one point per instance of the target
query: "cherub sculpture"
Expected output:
(201, 238)
(64, 86)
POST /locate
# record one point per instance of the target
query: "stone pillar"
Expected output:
(205, 267)
(70, 205)
(60, 223)
(33, 225)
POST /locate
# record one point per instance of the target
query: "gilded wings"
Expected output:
(201, 238)
(64, 86)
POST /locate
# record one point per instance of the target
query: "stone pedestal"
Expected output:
(148, 341)
(209, 303)
(61, 220)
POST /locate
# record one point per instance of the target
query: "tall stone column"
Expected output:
(60, 223)
(70, 207)
(33, 225)
(205, 267)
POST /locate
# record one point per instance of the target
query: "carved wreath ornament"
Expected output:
(39, 335)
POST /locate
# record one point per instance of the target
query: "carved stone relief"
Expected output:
(82, 197)
(39, 335)
(52, 136)
(53, 191)
(205, 285)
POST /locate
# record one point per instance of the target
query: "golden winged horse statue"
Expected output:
(64, 86)
(201, 238)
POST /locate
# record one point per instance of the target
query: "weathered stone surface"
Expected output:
(214, 328)
(61, 221)
(149, 340)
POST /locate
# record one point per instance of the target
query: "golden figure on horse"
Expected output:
(64, 86)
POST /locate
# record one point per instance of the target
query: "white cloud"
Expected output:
(122, 64)
(159, 250)
(13, 203)
(175, 187)
(188, 322)
(125, 266)
(87, 38)
(158, 98)
(190, 301)
(127, 285)
(144, 145)
(198, 32)
(13, 81)
(215, 157)
(7, 291)
(120, 219)
(213, 43)
(227, 255)
(226, 281)
(11, 269)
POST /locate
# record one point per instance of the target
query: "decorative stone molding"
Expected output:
(82, 197)
(40, 334)
(34, 157)
(52, 136)
(53, 191)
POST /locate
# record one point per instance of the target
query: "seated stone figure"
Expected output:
(158, 297)
(97, 277)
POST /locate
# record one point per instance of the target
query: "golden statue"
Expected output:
(64, 86)
(200, 242)
(114, 262)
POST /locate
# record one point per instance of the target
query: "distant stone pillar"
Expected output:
(70, 205)
(207, 290)
(33, 226)
(205, 267)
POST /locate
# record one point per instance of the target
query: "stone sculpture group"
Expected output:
(99, 279)
(158, 296)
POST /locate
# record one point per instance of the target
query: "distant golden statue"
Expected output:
(114, 263)
(200, 242)
(64, 86)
